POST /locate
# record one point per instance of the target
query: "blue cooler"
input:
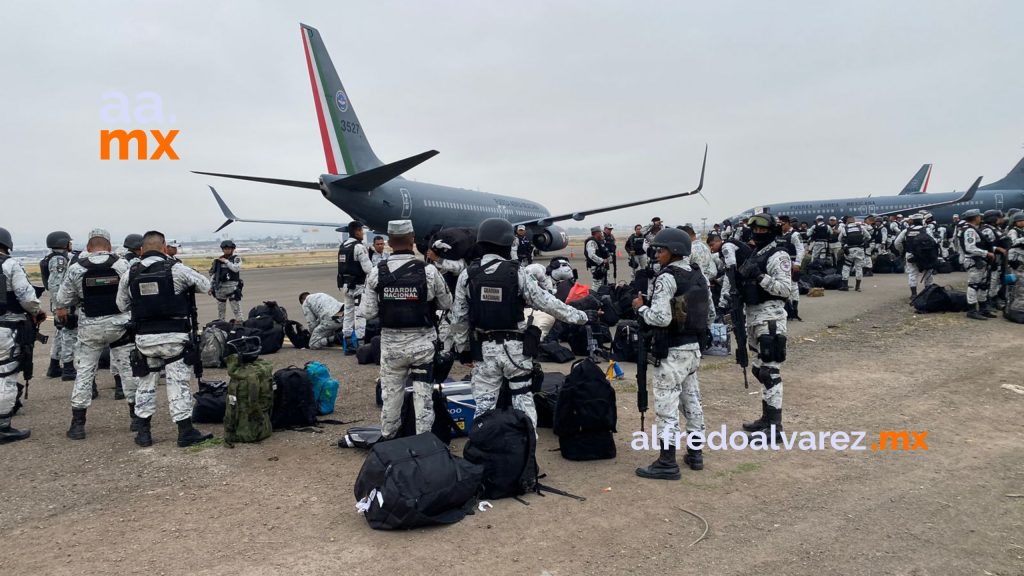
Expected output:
(459, 395)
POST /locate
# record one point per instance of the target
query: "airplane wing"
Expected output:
(580, 215)
(967, 196)
(232, 218)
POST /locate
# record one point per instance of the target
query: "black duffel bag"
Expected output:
(415, 481)
(271, 334)
(210, 403)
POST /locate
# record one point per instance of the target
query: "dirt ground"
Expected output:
(861, 362)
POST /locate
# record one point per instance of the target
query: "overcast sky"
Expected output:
(573, 104)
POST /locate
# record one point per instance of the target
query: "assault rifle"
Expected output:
(641, 370)
(739, 323)
(193, 336)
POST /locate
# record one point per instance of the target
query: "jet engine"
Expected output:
(551, 239)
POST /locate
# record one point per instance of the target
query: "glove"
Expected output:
(465, 357)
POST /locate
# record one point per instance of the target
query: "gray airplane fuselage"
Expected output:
(907, 204)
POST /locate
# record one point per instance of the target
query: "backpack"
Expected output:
(832, 282)
(250, 398)
(957, 300)
(325, 388)
(415, 481)
(360, 437)
(211, 346)
(1014, 311)
(925, 250)
(932, 299)
(546, 401)
(462, 242)
(804, 286)
(504, 442)
(555, 352)
(943, 266)
(297, 334)
(210, 402)
(270, 308)
(294, 403)
(625, 342)
(372, 329)
(270, 332)
(369, 353)
(586, 415)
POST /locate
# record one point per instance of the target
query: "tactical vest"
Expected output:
(44, 266)
(609, 244)
(743, 251)
(156, 309)
(225, 274)
(637, 243)
(403, 296)
(750, 290)
(854, 235)
(833, 235)
(689, 305)
(876, 234)
(10, 303)
(350, 271)
(524, 248)
(785, 241)
(99, 287)
(494, 299)
(599, 250)
(820, 233)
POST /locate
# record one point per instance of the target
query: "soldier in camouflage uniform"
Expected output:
(490, 297)
(853, 236)
(975, 254)
(54, 266)
(18, 300)
(101, 324)
(224, 274)
(678, 310)
(405, 294)
(323, 315)
(159, 292)
(763, 278)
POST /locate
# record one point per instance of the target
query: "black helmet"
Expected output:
(968, 214)
(497, 231)
(674, 240)
(992, 216)
(58, 240)
(762, 221)
(248, 348)
(5, 239)
(133, 241)
(227, 244)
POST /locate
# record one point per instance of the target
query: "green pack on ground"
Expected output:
(250, 398)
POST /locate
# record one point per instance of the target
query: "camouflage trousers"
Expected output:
(819, 250)
(916, 276)
(767, 372)
(676, 390)
(8, 384)
(225, 295)
(352, 318)
(977, 278)
(92, 339)
(396, 364)
(179, 379)
(62, 348)
(857, 260)
(324, 334)
(501, 362)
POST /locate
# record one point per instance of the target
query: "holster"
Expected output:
(536, 378)
(476, 348)
(772, 346)
(659, 344)
(139, 363)
(531, 341)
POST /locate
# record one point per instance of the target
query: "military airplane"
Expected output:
(372, 192)
(1000, 195)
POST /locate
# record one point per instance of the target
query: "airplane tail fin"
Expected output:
(1014, 180)
(344, 141)
(919, 183)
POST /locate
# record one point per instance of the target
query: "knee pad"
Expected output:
(770, 377)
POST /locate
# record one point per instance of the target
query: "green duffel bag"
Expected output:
(250, 399)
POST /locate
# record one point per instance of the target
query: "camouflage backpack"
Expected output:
(250, 400)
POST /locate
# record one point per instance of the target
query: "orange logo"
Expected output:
(145, 109)
(141, 139)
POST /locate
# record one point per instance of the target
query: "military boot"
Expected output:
(54, 371)
(845, 286)
(694, 458)
(857, 289)
(68, 374)
(77, 429)
(144, 437)
(759, 424)
(796, 310)
(188, 435)
(974, 313)
(118, 389)
(135, 419)
(774, 418)
(664, 468)
(913, 292)
(9, 434)
(986, 309)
